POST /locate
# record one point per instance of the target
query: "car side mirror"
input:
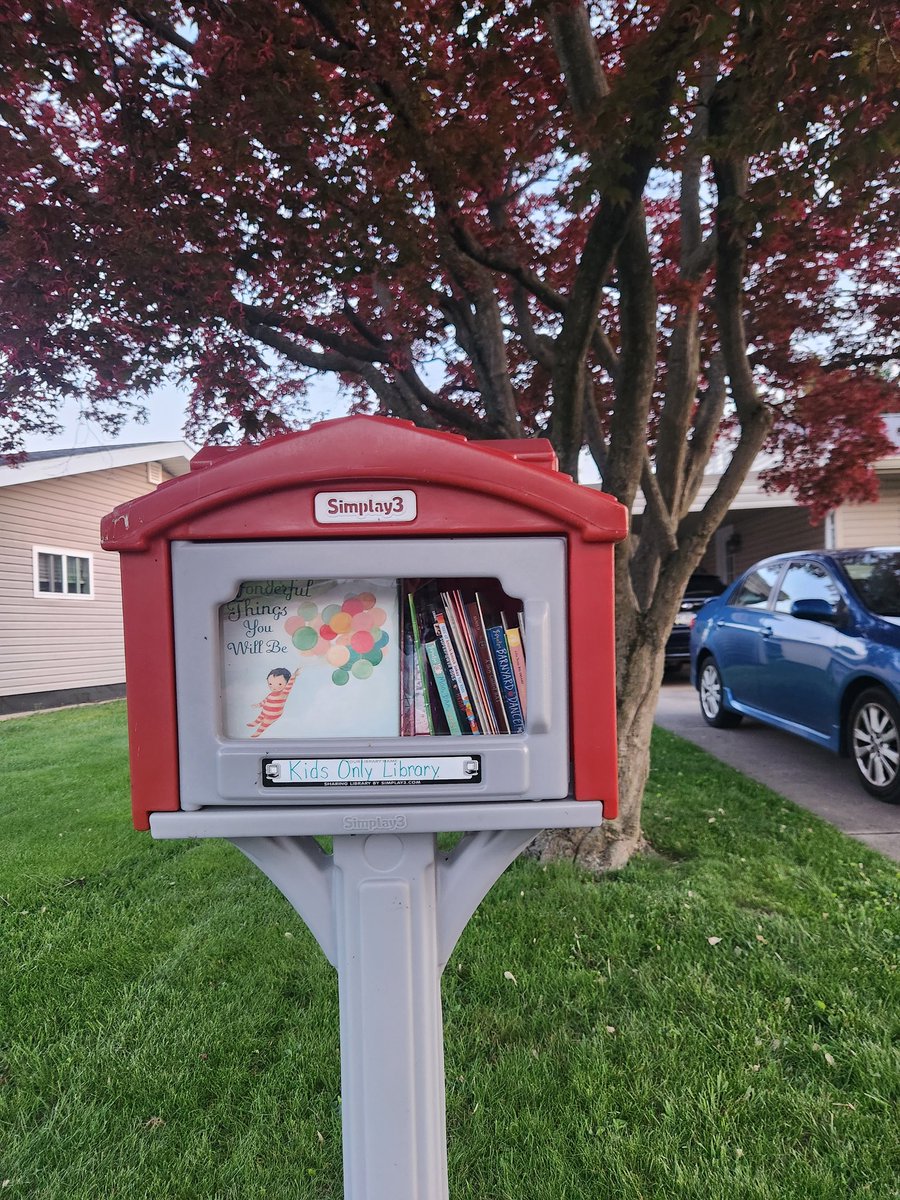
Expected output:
(816, 610)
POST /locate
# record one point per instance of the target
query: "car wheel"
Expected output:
(874, 742)
(712, 702)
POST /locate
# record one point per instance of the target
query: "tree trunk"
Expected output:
(610, 846)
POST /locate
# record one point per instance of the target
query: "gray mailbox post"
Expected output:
(367, 631)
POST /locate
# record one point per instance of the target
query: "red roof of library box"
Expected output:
(235, 492)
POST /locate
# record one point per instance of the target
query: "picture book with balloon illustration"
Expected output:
(311, 659)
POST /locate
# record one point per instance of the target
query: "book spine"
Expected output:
(456, 675)
(408, 679)
(423, 720)
(467, 616)
(517, 658)
(479, 637)
(443, 687)
(506, 678)
(454, 689)
(465, 652)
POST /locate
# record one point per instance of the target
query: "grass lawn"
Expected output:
(717, 1022)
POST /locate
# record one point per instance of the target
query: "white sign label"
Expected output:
(356, 508)
(370, 772)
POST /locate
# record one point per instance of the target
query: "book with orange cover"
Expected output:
(517, 658)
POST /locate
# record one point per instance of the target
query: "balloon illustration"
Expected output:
(349, 637)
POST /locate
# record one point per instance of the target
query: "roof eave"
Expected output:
(174, 456)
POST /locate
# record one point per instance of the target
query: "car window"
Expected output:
(875, 575)
(754, 591)
(806, 581)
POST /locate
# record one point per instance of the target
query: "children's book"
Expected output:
(496, 636)
(423, 714)
(517, 657)
(409, 669)
(454, 609)
(488, 669)
(311, 658)
(445, 694)
(458, 681)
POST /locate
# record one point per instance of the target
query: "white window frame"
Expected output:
(86, 555)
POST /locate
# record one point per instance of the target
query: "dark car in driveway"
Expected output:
(810, 643)
(700, 588)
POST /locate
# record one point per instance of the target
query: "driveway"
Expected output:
(810, 776)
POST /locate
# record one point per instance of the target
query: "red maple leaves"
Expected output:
(632, 225)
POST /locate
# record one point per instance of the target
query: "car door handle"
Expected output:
(766, 630)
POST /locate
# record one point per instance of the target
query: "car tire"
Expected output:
(712, 697)
(873, 739)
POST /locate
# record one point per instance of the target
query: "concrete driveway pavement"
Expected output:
(810, 776)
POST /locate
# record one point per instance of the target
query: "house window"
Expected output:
(62, 573)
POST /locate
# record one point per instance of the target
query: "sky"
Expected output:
(166, 410)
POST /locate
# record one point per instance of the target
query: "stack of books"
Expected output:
(463, 659)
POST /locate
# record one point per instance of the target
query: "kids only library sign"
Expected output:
(371, 772)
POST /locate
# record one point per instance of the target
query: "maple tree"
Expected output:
(650, 228)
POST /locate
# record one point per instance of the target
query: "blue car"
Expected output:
(810, 643)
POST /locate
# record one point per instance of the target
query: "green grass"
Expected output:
(168, 1028)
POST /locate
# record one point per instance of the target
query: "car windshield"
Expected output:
(875, 576)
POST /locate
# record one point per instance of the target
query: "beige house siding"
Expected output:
(875, 524)
(749, 535)
(783, 530)
(58, 642)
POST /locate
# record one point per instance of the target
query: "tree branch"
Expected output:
(596, 442)
(695, 529)
(538, 345)
(373, 352)
(496, 260)
(161, 29)
(299, 354)
(689, 196)
(707, 421)
(683, 360)
(431, 402)
(576, 53)
(484, 343)
(665, 527)
(845, 362)
(729, 297)
(637, 361)
(662, 61)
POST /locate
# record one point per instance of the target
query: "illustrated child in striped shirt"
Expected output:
(280, 682)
